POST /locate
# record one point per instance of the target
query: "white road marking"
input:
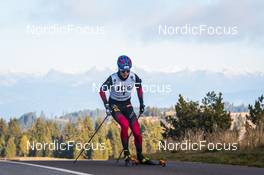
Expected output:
(47, 167)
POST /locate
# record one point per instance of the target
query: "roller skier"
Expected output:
(120, 85)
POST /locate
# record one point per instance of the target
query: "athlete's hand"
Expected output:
(108, 109)
(141, 108)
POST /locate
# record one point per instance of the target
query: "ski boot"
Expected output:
(127, 157)
(144, 160)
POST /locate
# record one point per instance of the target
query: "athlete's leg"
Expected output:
(135, 128)
(137, 135)
(124, 124)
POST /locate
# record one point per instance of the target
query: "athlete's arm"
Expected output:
(139, 88)
(106, 86)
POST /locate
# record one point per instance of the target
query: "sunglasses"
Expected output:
(125, 71)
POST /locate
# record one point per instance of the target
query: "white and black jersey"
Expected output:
(120, 89)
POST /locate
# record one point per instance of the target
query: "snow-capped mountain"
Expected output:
(56, 93)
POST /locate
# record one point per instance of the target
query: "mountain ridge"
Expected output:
(58, 92)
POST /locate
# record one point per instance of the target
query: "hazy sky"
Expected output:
(132, 28)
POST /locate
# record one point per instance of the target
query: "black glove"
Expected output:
(108, 109)
(141, 108)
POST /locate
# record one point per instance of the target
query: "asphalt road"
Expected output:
(110, 168)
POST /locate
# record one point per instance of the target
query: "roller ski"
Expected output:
(132, 161)
(147, 161)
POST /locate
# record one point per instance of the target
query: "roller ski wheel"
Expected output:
(162, 163)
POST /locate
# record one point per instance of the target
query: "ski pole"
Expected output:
(90, 138)
(128, 138)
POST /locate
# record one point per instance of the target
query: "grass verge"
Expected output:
(241, 157)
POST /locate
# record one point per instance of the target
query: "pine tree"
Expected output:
(114, 137)
(23, 145)
(152, 134)
(11, 148)
(256, 112)
(40, 133)
(108, 151)
(70, 134)
(3, 134)
(97, 153)
(54, 129)
(3, 127)
(100, 141)
(213, 109)
(85, 131)
(2, 146)
(210, 116)
(14, 130)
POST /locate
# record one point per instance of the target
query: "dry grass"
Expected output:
(223, 137)
(253, 138)
(250, 152)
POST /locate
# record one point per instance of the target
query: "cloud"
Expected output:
(131, 28)
(247, 15)
(140, 19)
